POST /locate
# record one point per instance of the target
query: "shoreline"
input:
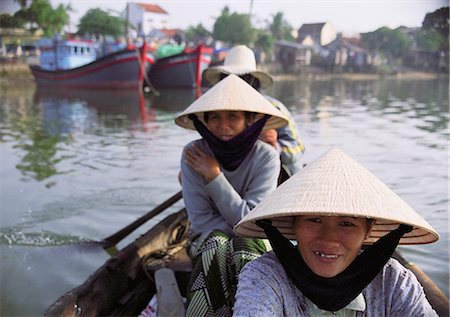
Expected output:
(15, 73)
(18, 72)
(410, 75)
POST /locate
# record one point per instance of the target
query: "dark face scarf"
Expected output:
(231, 153)
(333, 294)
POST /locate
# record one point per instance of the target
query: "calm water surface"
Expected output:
(80, 165)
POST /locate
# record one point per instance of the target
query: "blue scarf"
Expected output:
(231, 153)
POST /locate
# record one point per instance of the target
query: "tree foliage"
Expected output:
(438, 21)
(431, 40)
(22, 3)
(234, 28)
(99, 22)
(280, 28)
(219, 28)
(264, 41)
(393, 43)
(434, 33)
(41, 14)
(196, 32)
(9, 21)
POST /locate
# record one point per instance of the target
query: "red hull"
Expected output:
(183, 70)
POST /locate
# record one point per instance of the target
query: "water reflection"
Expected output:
(44, 129)
(422, 103)
(24, 126)
(40, 158)
(68, 110)
(174, 100)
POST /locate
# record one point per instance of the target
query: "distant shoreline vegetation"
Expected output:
(18, 71)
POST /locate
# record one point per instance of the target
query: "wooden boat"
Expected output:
(124, 285)
(183, 70)
(75, 64)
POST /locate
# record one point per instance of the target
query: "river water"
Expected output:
(80, 165)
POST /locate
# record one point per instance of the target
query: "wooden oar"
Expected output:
(434, 295)
(112, 240)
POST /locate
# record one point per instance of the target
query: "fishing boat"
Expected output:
(77, 64)
(124, 285)
(182, 70)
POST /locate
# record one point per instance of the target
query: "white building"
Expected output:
(316, 33)
(146, 17)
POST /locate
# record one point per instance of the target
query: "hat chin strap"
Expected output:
(333, 294)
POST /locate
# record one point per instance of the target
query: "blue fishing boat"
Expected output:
(77, 63)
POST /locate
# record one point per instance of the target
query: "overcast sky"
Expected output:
(347, 16)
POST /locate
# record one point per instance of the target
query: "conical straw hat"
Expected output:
(232, 93)
(240, 60)
(336, 185)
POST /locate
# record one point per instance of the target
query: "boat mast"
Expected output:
(55, 50)
(127, 25)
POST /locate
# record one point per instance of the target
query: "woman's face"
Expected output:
(226, 124)
(328, 244)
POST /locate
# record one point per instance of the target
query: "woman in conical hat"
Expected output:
(241, 61)
(224, 175)
(331, 208)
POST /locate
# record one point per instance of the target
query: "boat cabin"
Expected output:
(66, 54)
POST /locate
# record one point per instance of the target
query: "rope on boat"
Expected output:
(176, 241)
(146, 79)
(160, 258)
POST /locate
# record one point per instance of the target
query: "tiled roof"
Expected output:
(311, 28)
(170, 32)
(152, 8)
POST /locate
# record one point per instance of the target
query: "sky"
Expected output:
(347, 16)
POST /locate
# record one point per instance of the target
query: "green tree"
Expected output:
(41, 14)
(431, 40)
(234, 28)
(264, 41)
(220, 26)
(22, 3)
(280, 28)
(438, 21)
(9, 21)
(99, 22)
(392, 43)
(196, 32)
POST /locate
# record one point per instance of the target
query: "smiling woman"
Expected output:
(331, 208)
(329, 244)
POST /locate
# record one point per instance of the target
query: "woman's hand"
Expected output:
(269, 136)
(202, 163)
